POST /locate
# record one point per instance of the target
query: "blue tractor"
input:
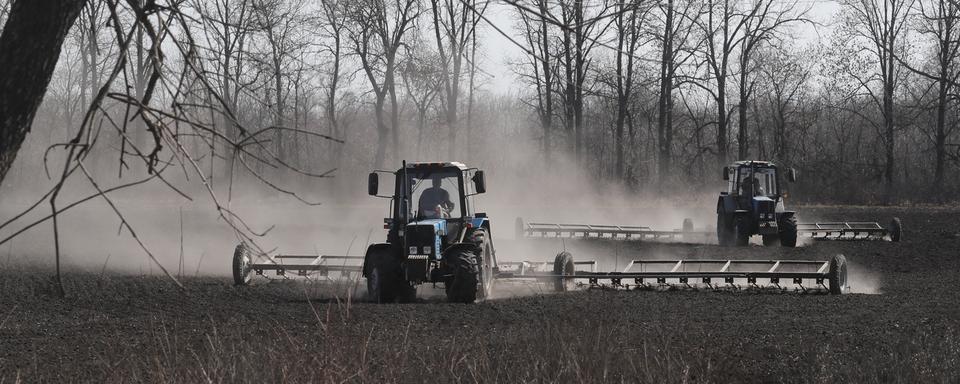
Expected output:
(753, 205)
(434, 235)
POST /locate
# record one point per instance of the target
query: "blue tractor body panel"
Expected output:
(425, 237)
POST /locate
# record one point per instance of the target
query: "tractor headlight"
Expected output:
(426, 250)
(413, 250)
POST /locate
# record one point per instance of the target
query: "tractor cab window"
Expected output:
(758, 182)
(434, 194)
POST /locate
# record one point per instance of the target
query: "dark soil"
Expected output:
(132, 328)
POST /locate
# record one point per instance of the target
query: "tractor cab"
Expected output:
(753, 204)
(432, 227)
(753, 183)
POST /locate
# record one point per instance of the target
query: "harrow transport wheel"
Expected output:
(770, 240)
(484, 256)
(724, 230)
(462, 287)
(741, 230)
(563, 266)
(241, 265)
(382, 278)
(788, 232)
(895, 230)
(838, 275)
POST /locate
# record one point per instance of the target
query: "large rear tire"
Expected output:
(241, 265)
(485, 261)
(896, 230)
(741, 230)
(838, 275)
(563, 266)
(725, 232)
(463, 285)
(382, 277)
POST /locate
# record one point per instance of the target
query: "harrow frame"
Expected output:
(838, 230)
(616, 232)
(829, 276)
(247, 262)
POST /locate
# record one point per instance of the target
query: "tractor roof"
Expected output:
(438, 165)
(749, 163)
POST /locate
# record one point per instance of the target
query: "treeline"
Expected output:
(651, 95)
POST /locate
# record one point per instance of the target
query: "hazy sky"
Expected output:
(499, 50)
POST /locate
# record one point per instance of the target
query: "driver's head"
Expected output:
(436, 181)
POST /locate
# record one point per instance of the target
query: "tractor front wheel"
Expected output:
(382, 278)
(462, 285)
(788, 232)
(741, 230)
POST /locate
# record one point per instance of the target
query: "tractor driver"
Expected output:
(751, 187)
(435, 201)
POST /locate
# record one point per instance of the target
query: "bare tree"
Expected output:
(422, 77)
(335, 16)
(377, 36)
(940, 20)
(785, 74)
(29, 49)
(541, 71)
(880, 25)
(764, 22)
(628, 26)
(454, 26)
(675, 52)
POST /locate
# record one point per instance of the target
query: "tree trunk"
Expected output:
(29, 49)
(665, 105)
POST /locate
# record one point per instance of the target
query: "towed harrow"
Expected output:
(807, 276)
(815, 230)
(622, 232)
(247, 262)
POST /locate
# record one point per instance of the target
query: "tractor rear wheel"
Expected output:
(563, 266)
(382, 277)
(462, 286)
(725, 231)
(788, 232)
(241, 265)
(741, 230)
(838, 275)
(896, 230)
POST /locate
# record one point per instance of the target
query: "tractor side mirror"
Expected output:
(792, 175)
(479, 182)
(373, 184)
(726, 173)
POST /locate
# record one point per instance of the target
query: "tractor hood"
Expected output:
(439, 225)
(424, 237)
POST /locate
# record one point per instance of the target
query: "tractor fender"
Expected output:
(480, 222)
(727, 204)
(372, 250)
(786, 214)
(458, 247)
